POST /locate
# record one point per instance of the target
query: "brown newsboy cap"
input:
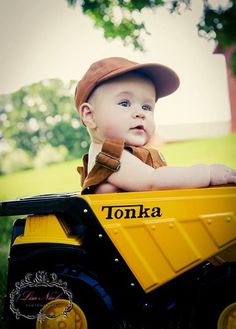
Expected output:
(164, 79)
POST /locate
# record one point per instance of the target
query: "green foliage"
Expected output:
(126, 28)
(38, 115)
(15, 161)
(6, 224)
(118, 19)
(219, 23)
(48, 154)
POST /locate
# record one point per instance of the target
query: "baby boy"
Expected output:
(116, 100)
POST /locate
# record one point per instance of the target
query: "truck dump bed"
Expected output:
(159, 234)
(165, 233)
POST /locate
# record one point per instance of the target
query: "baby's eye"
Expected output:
(124, 103)
(147, 107)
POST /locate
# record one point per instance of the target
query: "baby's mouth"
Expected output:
(138, 128)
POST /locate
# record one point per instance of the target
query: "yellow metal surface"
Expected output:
(161, 234)
(46, 228)
(75, 318)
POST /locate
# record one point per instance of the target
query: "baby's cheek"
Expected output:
(113, 131)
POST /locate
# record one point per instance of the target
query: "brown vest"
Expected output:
(108, 161)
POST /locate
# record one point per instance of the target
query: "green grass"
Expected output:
(213, 150)
(63, 177)
(55, 178)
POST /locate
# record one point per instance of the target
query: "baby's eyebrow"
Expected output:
(124, 94)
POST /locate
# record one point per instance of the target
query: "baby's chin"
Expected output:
(136, 142)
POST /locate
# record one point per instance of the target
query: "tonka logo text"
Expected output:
(131, 212)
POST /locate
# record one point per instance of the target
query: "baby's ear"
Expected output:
(86, 112)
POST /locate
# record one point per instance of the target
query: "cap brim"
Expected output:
(166, 81)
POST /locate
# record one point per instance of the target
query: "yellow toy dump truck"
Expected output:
(143, 260)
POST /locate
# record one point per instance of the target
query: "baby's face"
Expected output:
(124, 109)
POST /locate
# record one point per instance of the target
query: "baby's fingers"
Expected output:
(231, 177)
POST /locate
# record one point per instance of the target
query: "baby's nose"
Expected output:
(138, 112)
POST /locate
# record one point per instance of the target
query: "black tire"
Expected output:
(96, 312)
(216, 300)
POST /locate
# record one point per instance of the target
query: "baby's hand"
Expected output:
(221, 175)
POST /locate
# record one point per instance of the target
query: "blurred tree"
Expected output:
(118, 19)
(40, 114)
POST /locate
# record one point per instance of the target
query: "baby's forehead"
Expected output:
(124, 78)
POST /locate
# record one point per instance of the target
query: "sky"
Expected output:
(46, 39)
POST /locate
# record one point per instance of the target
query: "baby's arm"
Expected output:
(134, 175)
